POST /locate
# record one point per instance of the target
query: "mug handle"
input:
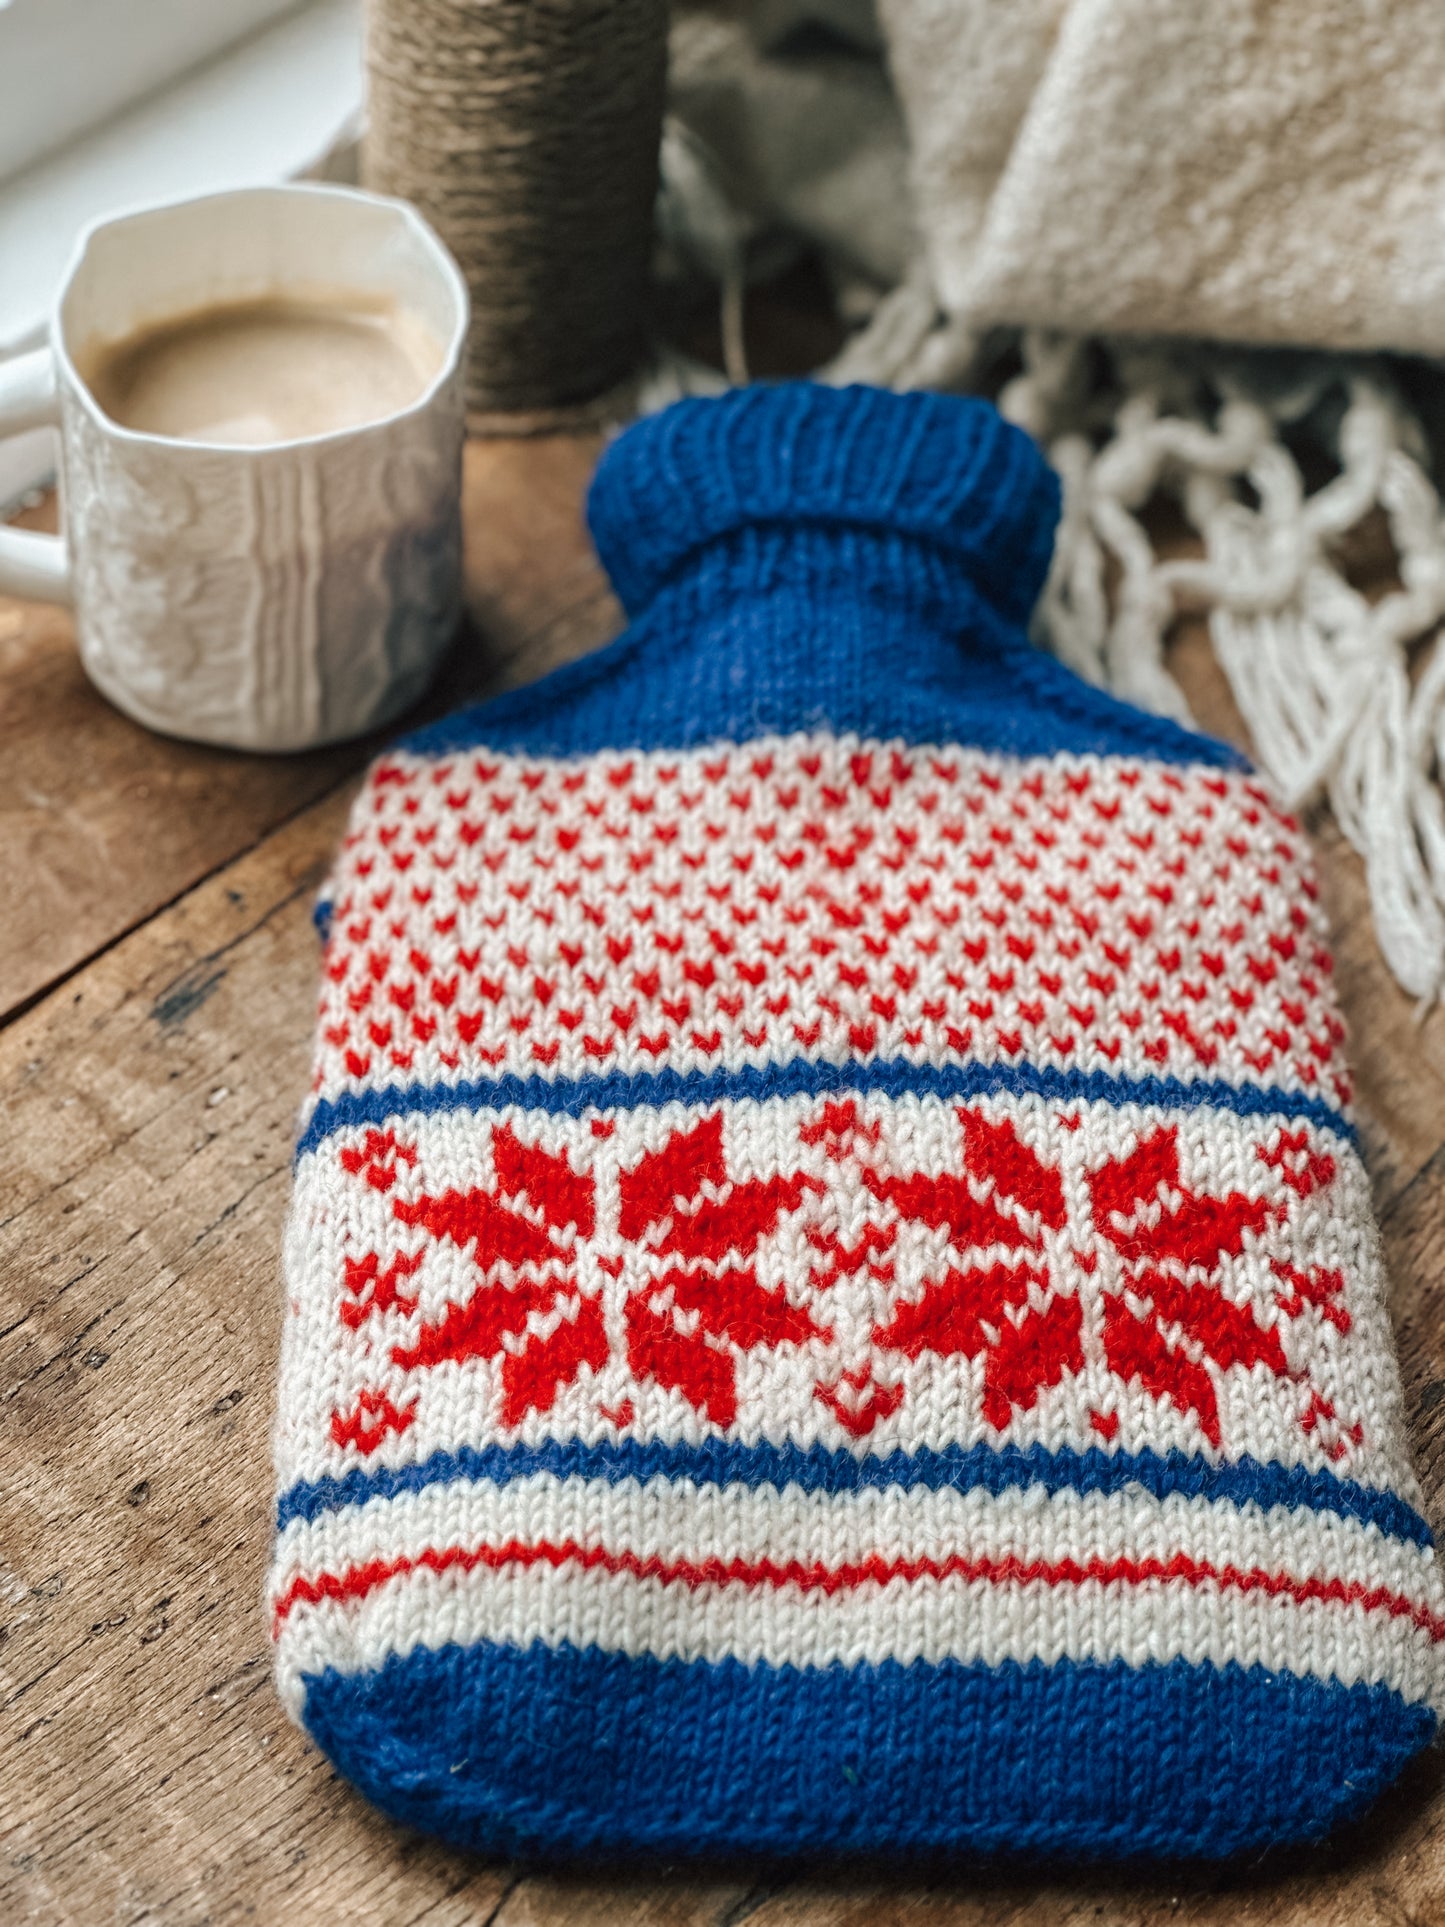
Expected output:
(34, 567)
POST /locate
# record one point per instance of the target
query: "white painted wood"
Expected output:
(263, 112)
(67, 65)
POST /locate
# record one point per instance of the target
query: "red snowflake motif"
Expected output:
(538, 1247)
(686, 1325)
(1162, 1332)
(1171, 1330)
(986, 1309)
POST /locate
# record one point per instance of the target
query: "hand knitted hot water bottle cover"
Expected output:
(832, 1295)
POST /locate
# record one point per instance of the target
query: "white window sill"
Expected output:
(269, 109)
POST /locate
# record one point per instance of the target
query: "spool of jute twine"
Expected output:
(527, 132)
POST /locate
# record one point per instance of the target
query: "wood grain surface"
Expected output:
(157, 966)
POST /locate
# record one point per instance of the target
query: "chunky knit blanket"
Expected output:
(831, 1295)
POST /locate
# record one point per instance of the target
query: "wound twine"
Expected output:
(528, 135)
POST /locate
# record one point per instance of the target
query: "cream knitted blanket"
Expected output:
(1248, 170)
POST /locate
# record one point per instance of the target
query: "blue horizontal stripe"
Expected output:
(560, 1750)
(806, 1077)
(818, 1469)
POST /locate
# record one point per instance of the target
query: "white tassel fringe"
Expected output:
(1322, 674)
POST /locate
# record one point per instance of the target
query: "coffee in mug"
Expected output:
(259, 397)
(264, 371)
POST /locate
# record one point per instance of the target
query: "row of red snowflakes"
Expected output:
(700, 1306)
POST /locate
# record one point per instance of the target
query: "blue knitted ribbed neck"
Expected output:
(923, 473)
(799, 557)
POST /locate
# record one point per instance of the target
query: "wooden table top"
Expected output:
(157, 986)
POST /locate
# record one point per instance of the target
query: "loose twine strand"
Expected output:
(527, 132)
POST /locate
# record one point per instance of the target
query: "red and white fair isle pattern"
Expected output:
(822, 897)
(861, 1273)
(864, 1273)
(869, 1272)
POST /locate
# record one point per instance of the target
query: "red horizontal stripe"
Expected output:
(358, 1581)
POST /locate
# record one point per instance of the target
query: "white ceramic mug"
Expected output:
(266, 597)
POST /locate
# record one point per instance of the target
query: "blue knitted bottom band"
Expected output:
(564, 1751)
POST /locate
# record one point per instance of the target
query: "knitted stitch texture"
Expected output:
(832, 1296)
